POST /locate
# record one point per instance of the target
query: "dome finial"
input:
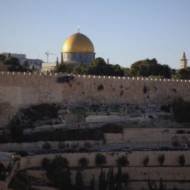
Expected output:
(78, 29)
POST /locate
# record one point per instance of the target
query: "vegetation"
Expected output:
(181, 110)
(161, 159)
(100, 160)
(181, 160)
(146, 161)
(2, 172)
(183, 73)
(27, 117)
(83, 162)
(21, 181)
(150, 67)
(122, 161)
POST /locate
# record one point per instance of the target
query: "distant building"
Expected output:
(48, 67)
(184, 61)
(31, 64)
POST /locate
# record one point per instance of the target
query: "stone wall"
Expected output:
(135, 158)
(24, 89)
(150, 135)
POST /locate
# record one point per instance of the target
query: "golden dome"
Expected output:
(78, 43)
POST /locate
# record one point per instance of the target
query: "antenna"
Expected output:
(47, 55)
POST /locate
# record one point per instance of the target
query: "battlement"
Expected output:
(50, 75)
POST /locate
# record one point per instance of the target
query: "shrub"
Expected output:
(46, 146)
(100, 87)
(100, 159)
(161, 159)
(181, 160)
(146, 161)
(83, 162)
(122, 161)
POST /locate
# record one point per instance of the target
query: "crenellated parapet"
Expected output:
(98, 77)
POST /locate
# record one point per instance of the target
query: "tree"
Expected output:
(21, 181)
(122, 161)
(183, 73)
(13, 64)
(102, 181)
(46, 146)
(146, 161)
(79, 184)
(92, 183)
(110, 179)
(161, 159)
(181, 110)
(100, 159)
(181, 160)
(45, 163)
(118, 179)
(83, 162)
(150, 67)
(2, 172)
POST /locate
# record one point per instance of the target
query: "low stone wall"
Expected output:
(135, 158)
(35, 146)
(150, 135)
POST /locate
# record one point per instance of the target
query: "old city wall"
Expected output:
(24, 89)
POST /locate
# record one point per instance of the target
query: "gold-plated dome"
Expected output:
(78, 43)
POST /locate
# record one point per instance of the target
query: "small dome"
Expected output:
(78, 43)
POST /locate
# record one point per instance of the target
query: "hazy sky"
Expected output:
(122, 30)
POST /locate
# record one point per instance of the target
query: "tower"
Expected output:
(184, 61)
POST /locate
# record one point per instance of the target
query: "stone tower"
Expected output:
(184, 61)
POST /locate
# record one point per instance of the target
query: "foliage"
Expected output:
(98, 67)
(79, 183)
(181, 160)
(26, 118)
(122, 161)
(14, 65)
(21, 181)
(46, 146)
(102, 181)
(58, 172)
(183, 73)
(146, 161)
(83, 162)
(161, 159)
(2, 172)
(150, 67)
(181, 110)
(100, 159)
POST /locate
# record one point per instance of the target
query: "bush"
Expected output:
(100, 159)
(161, 159)
(46, 146)
(146, 161)
(122, 161)
(83, 162)
(181, 160)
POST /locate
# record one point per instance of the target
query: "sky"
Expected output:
(124, 31)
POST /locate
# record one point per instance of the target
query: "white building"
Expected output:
(33, 64)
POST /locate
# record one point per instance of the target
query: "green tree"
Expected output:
(122, 161)
(79, 184)
(21, 181)
(110, 179)
(102, 181)
(183, 73)
(181, 160)
(146, 161)
(100, 159)
(83, 162)
(161, 159)
(150, 67)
